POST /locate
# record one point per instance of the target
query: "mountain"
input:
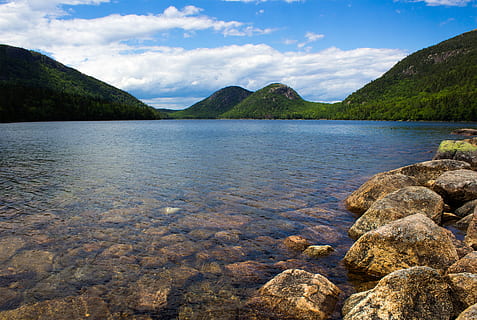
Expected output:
(212, 107)
(35, 87)
(435, 83)
(276, 101)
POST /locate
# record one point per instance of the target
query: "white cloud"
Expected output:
(310, 37)
(459, 3)
(102, 48)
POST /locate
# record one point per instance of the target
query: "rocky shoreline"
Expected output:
(403, 241)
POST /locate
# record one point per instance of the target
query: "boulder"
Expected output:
(469, 314)
(318, 251)
(457, 187)
(297, 294)
(471, 235)
(463, 150)
(427, 171)
(414, 293)
(463, 224)
(466, 264)
(399, 204)
(464, 290)
(376, 188)
(81, 307)
(411, 241)
(466, 209)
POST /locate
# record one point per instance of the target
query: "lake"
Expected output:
(183, 219)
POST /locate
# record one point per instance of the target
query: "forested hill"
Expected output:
(34, 87)
(212, 107)
(436, 83)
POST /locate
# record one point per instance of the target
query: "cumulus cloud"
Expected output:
(110, 49)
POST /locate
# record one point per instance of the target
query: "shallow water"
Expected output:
(183, 219)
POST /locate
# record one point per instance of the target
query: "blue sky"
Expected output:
(174, 53)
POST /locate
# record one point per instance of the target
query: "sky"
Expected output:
(172, 54)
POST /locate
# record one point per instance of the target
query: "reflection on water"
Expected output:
(181, 219)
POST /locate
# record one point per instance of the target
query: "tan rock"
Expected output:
(469, 314)
(399, 204)
(69, 308)
(297, 294)
(297, 243)
(376, 188)
(457, 187)
(465, 264)
(471, 234)
(412, 241)
(414, 293)
(318, 251)
(464, 289)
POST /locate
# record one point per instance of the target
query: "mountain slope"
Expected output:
(436, 83)
(219, 102)
(35, 87)
(275, 101)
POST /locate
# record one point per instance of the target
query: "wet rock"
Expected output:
(150, 294)
(318, 251)
(249, 271)
(228, 236)
(427, 171)
(466, 264)
(38, 261)
(464, 150)
(8, 247)
(466, 209)
(222, 253)
(70, 308)
(464, 290)
(469, 314)
(297, 243)
(117, 250)
(322, 234)
(376, 188)
(297, 294)
(399, 204)
(414, 293)
(465, 132)
(412, 241)
(457, 186)
(471, 235)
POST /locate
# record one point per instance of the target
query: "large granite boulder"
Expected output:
(464, 290)
(414, 293)
(399, 204)
(376, 188)
(471, 235)
(469, 314)
(427, 171)
(458, 186)
(297, 294)
(464, 150)
(69, 308)
(411, 241)
(468, 263)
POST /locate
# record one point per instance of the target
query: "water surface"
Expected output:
(183, 219)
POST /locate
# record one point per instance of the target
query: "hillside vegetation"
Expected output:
(436, 83)
(34, 87)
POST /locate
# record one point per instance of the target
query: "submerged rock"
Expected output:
(457, 186)
(297, 294)
(412, 241)
(376, 188)
(297, 243)
(69, 308)
(399, 204)
(38, 261)
(465, 132)
(414, 293)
